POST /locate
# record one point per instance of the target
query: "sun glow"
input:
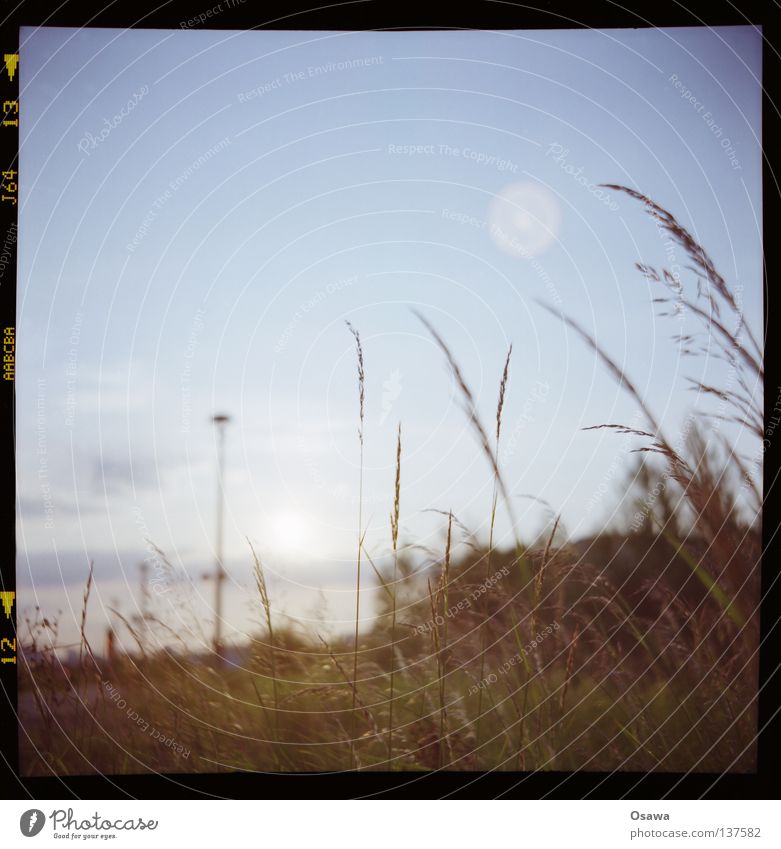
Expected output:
(289, 532)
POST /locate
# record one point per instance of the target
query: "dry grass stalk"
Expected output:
(470, 408)
(360, 703)
(394, 520)
(610, 364)
(436, 639)
(361, 402)
(492, 525)
(712, 518)
(439, 599)
(260, 583)
(502, 390)
(84, 642)
(361, 379)
(570, 667)
(546, 559)
(704, 266)
(539, 580)
(132, 631)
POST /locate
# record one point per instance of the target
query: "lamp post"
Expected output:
(220, 421)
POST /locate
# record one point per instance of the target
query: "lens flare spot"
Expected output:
(525, 218)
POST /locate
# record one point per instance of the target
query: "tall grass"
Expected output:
(698, 485)
(361, 399)
(491, 526)
(394, 523)
(84, 642)
(260, 583)
(631, 653)
(442, 648)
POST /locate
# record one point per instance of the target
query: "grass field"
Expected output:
(636, 650)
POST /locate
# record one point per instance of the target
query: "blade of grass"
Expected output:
(260, 582)
(394, 518)
(361, 400)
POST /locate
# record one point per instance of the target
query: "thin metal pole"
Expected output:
(144, 572)
(220, 421)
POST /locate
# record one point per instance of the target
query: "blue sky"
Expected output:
(201, 211)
